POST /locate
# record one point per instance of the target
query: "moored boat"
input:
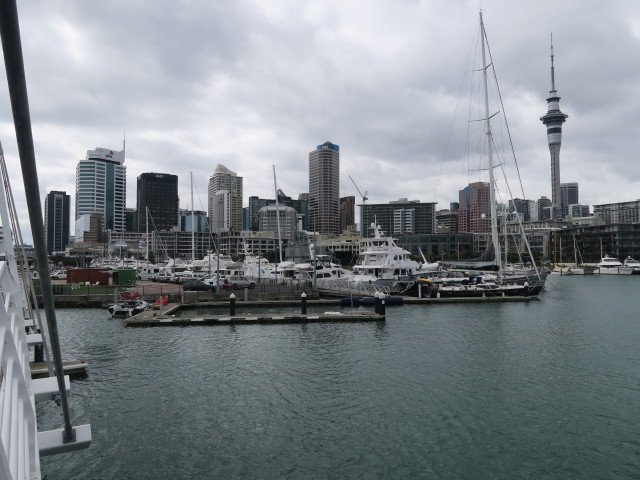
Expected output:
(612, 266)
(128, 307)
(632, 263)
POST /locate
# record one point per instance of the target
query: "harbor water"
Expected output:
(548, 389)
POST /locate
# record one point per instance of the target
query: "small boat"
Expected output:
(128, 308)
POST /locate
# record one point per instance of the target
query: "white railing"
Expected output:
(19, 455)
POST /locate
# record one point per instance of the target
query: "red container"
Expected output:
(91, 275)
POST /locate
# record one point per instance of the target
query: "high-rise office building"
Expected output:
(324, 188)
(101, 187)
(272, 217)
(399, 217)
(225, 200)
(193, 219)
(57, 221)
(301, 206)
(347, 213)
(475, 208)
(553, 120)
(543, 205)
(569, 193)
(520, 207)
(157, 192)
(90, 228)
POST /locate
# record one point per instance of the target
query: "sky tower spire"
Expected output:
(553, 120)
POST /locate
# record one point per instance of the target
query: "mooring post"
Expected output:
(377, 303)
(232, 304)
(304, 303)
(382, 308)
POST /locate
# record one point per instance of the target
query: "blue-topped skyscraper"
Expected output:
(324, 188)
(553, 120)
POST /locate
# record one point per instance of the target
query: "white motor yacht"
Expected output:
(381, 258)
(612, 266)
(632, 263)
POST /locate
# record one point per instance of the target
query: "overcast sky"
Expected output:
(251, 84)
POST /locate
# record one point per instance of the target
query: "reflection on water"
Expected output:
(547, 389)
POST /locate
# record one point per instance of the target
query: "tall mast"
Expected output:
(193, 226)
(275, 186)
(492, 194)
(146, 211)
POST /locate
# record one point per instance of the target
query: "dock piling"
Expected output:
(304, 303)
(232, 305)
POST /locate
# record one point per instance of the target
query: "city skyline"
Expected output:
(235, 85)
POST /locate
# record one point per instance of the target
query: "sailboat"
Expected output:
(575, 270)
(502, 286)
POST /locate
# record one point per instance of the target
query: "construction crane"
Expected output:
(364, 197)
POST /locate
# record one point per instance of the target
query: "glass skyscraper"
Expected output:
(324, 188)
(56, 221)
(101, 187)
(159, 193)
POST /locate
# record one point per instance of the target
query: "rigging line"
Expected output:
(32, 302)
(446, 148)
(522, 229)
(163, 249)
(515, 160)
(206, 219)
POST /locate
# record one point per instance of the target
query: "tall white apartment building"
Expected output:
(225, 200)
(101, 187)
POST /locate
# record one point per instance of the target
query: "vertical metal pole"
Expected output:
(14, 65)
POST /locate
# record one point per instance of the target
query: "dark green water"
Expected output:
(544, 390)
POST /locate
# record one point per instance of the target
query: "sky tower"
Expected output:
(553, 120)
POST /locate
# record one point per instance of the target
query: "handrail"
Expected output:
(18, 459)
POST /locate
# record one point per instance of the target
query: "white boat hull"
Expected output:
(615, 271)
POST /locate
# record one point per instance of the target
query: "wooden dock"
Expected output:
(151, 318)
(78, 368)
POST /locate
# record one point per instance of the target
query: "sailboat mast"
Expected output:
(275, 185)
(492, 194)
(193, 226)
(147, 232)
